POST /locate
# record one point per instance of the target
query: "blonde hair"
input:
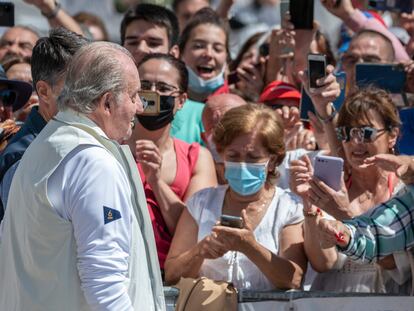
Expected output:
(248, 119)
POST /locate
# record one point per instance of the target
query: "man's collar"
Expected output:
(71, 116)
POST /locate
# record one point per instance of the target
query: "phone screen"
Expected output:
(390, 77)
(301, 12)
(6, 14)
(316, 71)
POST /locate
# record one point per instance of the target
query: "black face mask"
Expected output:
(165, 117)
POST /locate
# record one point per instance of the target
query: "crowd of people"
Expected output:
(120, 163)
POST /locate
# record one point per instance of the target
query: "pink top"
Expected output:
(187, 156)
(359, 21)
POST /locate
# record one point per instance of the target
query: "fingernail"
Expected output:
(340, 237)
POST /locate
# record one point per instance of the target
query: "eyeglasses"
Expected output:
(161, 87)
(364, 134)
(7, 97)
(351, 59)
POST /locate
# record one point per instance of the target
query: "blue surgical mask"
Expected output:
(211, 146)
(201, 86)
(245, 178)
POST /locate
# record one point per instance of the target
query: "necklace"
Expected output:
(256, 206)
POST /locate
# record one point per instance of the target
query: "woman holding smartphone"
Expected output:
(171, 170)
(366, 125)
(265, 254)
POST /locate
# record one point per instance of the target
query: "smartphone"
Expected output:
(301, 13)
(284, 7)
(151, 101)
(316, 69)
(231, 221)
(399, 6)
(306, 104)
(6, 14)
(389, 77)
(329, 170)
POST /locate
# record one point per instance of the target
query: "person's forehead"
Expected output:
(368, 45)
(20, 34)
(158, 70)
(209, 33)
(192, 6)
(21, 71)
(140, 28)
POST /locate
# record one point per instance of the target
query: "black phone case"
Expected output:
(6, 14)
(301, 12)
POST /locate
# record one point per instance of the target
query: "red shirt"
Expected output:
(187, 156)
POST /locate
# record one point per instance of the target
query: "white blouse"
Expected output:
(205, 207)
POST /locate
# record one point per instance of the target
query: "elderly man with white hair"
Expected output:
(76, 234)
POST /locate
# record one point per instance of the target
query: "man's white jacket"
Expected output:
(38, 253)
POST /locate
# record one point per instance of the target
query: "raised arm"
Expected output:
(55, 15)
(356, 21)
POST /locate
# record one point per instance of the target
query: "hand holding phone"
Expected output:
(231, 221)
(306, 104)
(316, 69)
(329, 170)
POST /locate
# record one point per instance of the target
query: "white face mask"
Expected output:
(201, 86)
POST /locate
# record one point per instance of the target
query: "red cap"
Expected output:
(279, 90)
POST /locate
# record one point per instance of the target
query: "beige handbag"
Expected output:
(204, 294)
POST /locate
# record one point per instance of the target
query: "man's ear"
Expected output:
(175, 51)
(105, 101)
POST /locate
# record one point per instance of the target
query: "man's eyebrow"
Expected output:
(148, 38)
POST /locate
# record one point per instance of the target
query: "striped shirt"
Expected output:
(384, 230)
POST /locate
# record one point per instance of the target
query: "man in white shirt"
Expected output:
(76, 234)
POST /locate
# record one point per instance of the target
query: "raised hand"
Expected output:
(301, 172)
(150, 158)
(328, 90)
(402, 166)
(336, 203)
(340, 8)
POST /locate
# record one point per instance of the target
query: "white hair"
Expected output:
(93, 71)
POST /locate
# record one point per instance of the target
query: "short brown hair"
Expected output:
(357, 105)
(251, 118)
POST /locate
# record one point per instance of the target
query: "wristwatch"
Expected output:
(328, 118)
(53, 14)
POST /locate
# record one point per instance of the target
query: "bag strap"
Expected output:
(191, 292)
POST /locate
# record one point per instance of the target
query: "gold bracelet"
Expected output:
(316, 213)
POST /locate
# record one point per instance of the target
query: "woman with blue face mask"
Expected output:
(267, 251)
(203, 48)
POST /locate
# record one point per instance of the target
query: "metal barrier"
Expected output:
(311, 301)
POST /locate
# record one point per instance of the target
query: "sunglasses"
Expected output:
(7, 97)
(364, 134)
